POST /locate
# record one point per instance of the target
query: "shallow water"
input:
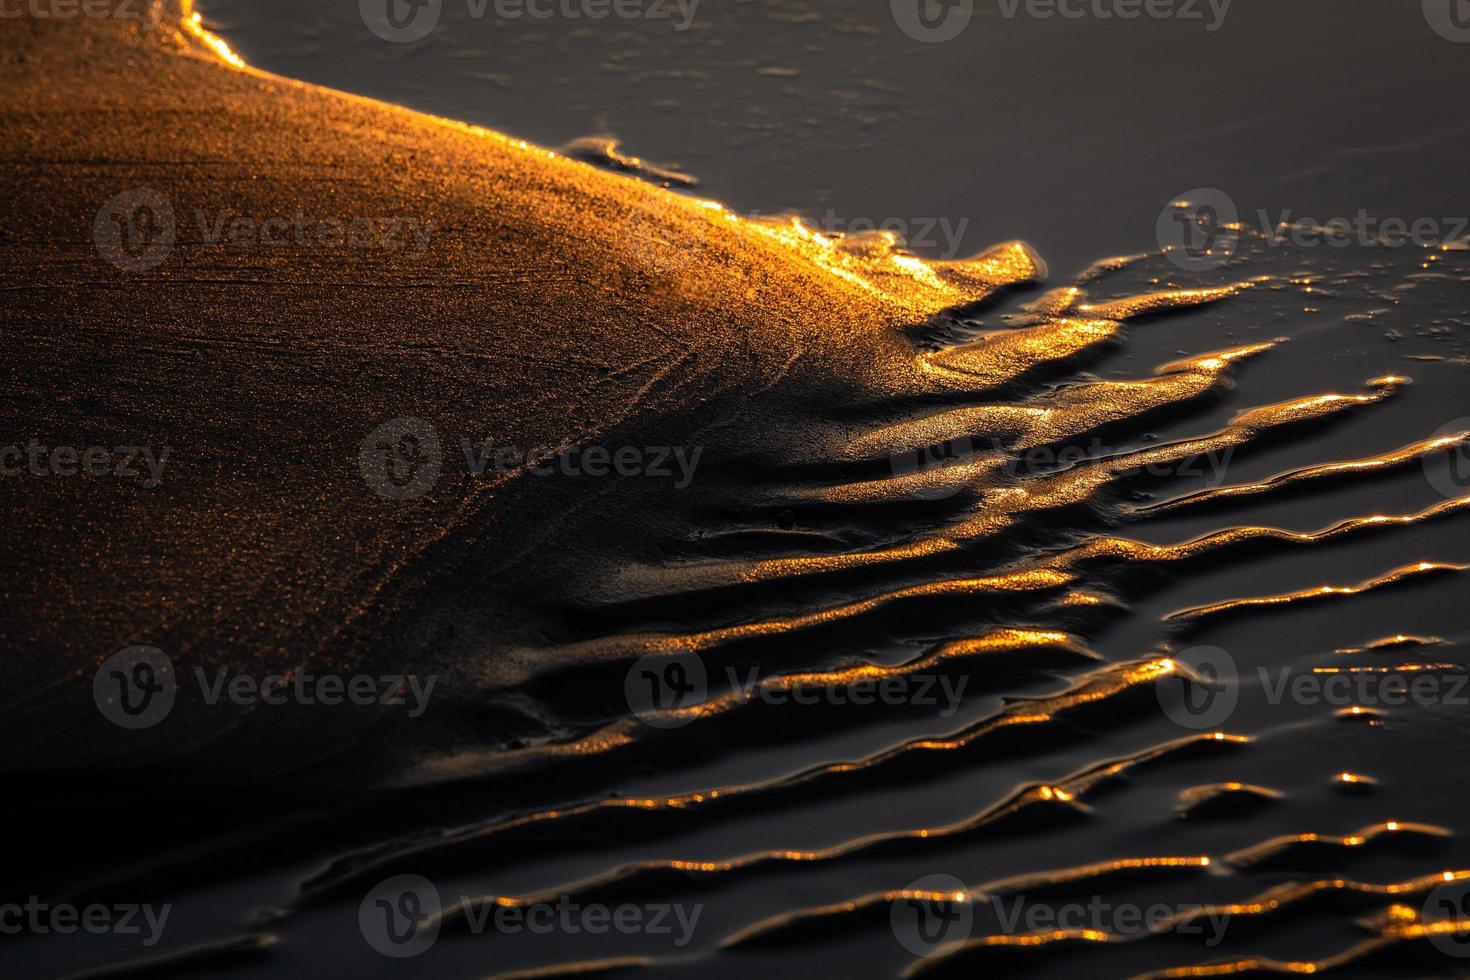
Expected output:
(1060, 500)
(1069, 133)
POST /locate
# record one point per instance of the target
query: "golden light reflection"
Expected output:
(194, 25)
(1388, 578)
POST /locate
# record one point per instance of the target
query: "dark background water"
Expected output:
(1069, 133)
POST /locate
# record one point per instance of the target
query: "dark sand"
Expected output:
(560, 304)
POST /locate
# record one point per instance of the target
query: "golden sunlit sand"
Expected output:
(540, 312)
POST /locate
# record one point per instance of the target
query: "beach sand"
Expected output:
(539, 312)
(1062, 559)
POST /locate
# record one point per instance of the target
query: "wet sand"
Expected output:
(559, 304)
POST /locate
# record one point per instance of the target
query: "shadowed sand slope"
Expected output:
(542, 304)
